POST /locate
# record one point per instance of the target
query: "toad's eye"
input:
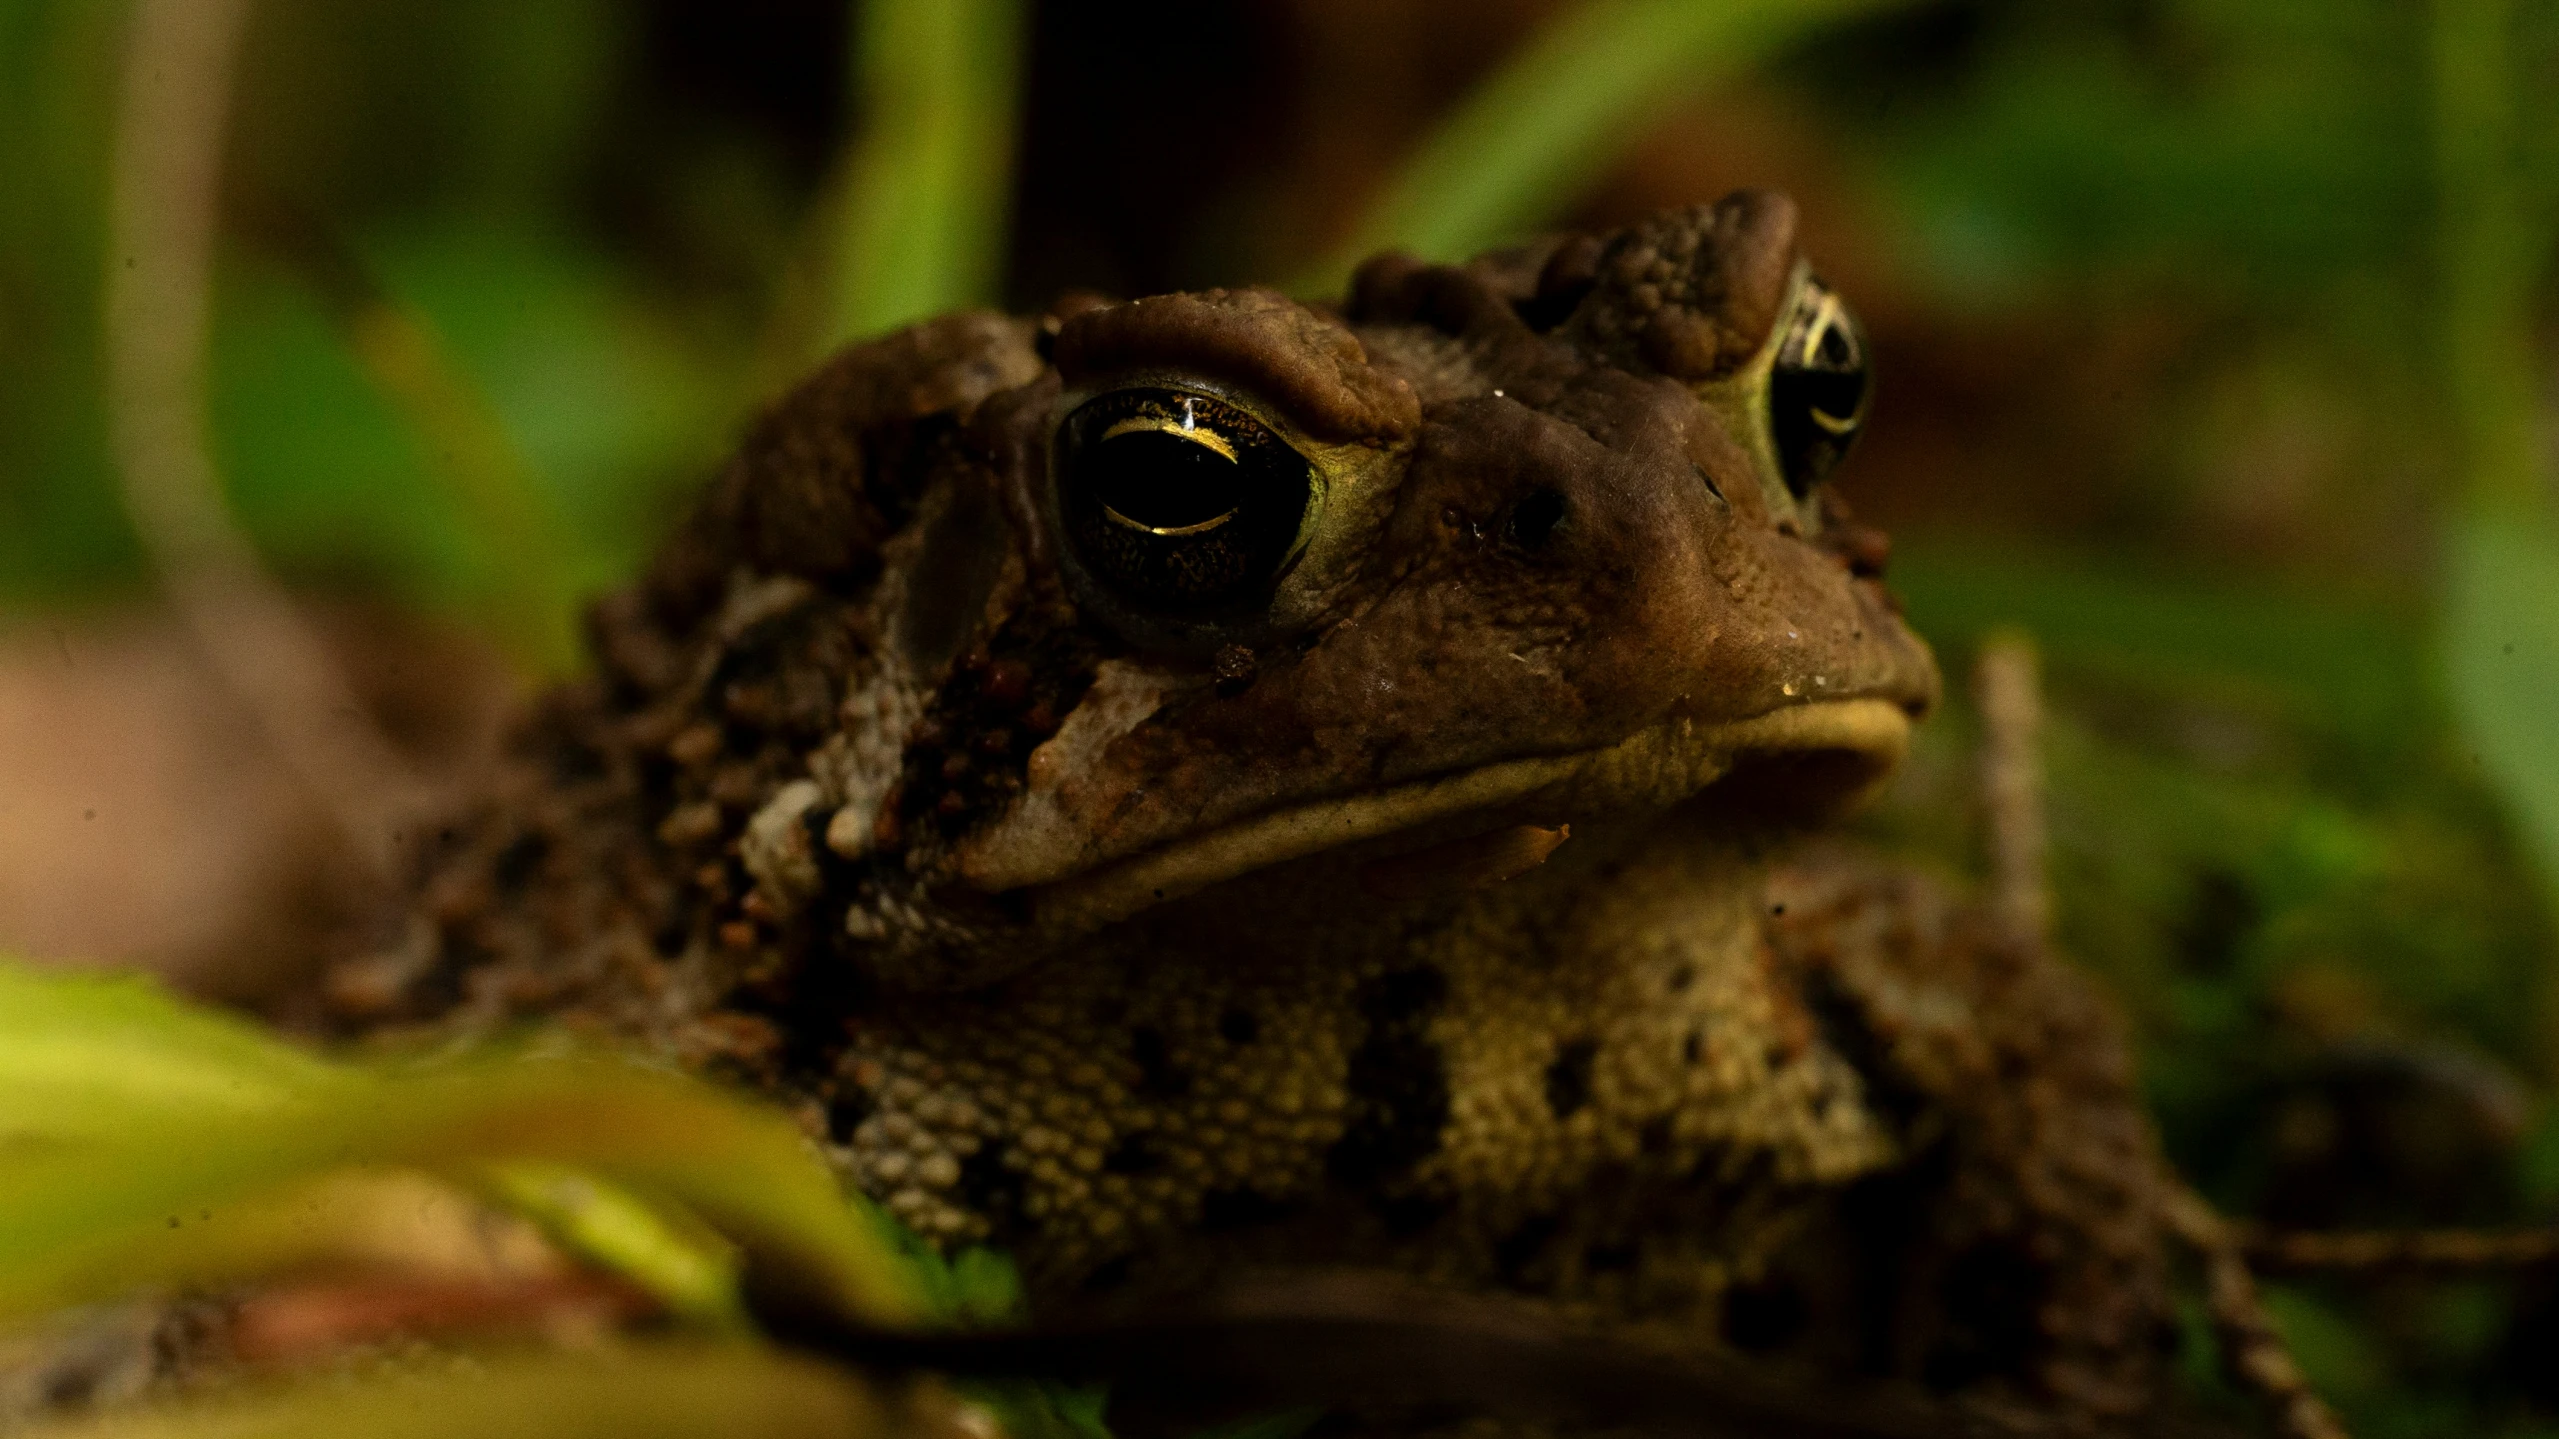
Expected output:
(1180, 502)
(1817, 392)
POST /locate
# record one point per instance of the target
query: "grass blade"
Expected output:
(1538, 133)
(2501, 655)
(922, 225)
(86, 1055)
(2501, 603)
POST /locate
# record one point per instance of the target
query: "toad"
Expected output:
(1215, 781)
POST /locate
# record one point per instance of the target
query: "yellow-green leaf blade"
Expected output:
(82, 1054)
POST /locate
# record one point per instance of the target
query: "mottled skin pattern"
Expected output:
(1150, 946)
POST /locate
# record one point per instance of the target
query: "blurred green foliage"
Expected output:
(2299, 784)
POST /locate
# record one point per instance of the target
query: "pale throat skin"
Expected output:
(1211, 780)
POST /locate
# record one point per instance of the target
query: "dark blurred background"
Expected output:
(2214, 345)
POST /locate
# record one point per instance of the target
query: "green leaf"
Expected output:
(690, 1271)
(1538, 134)
(81, 1056)
(924, 208)
(680, 1391)
(2501, 660)
(151, 1143)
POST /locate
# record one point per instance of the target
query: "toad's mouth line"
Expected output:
(1656, 767)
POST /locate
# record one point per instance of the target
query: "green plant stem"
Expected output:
(2488, 256)
(2501, 554)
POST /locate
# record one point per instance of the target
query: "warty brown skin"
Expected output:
(1149, 945)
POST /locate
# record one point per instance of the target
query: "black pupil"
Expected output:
(1817, 392)
(1180, 502)
(1163, 480)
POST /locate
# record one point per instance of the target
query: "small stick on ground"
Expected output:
(2255, 1356)
(2007, 690)
(2454, 1251)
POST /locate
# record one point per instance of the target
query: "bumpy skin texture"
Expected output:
(1151, 949)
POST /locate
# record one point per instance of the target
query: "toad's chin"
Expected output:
(1807, 759)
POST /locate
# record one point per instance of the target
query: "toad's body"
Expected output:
(1203, 782)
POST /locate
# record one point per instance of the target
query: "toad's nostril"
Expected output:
(1533, 520)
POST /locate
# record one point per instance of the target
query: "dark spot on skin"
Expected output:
(572, 761)
(1993, 1294)
(1843, 1024)
(1403, 995)
(1762, 1317)
(1753, 1174)
(1239, 1026)
(1609, 1258)
(1568, 1078)
(1226, 1210)
(516, 863)
(1682, 977)
(1882, 1220)
(1777, 909)
(1157, 1076)
(1133, 1156)
(995, 1191)
(852, 1105)
(1533, 520)
(1514, 1252)
(1398, 1081)
(1693, 1048)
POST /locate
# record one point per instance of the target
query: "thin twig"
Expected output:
(2252, 1352)
(179, 63)
(2440, 1250)
(2007, 689)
